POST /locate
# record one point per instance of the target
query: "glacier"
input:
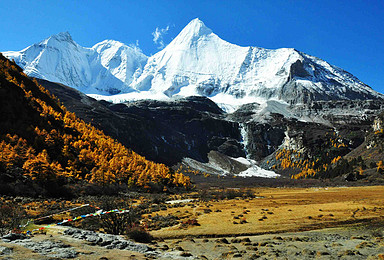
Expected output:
(195, 63)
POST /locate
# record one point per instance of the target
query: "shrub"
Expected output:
(139, 234)
(11, 216)
(189, 222)
(117, 223)
(158, 222)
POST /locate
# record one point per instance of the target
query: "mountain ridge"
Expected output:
(196, 62)
(59, 59)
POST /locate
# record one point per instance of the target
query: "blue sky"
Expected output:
(348, 34)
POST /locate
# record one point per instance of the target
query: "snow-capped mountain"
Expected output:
(106, 68)
(196, 62)
(122, 61)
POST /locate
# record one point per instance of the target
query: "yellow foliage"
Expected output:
(62, 145)
(336, 159)
(380, 166)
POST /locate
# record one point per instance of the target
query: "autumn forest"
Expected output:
(45, 143)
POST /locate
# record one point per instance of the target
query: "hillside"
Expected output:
(303, 141)
(162, 131)
(351, 151)
(43, 143)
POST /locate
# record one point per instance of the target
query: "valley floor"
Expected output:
(277, 210)
(278, 223)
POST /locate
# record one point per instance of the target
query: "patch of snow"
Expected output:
(230, 103)
(212, 167)
(179, 201)
(254, 170)
(133, 96)
(274, 106)
(243, 160)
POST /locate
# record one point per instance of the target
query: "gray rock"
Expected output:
(93, 238)
(5, 250)
(122, 245)
(69, 231)
(49, 248)
(107, 240)
(13, 236)
(104, 242)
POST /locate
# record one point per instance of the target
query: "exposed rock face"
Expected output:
(13, 237)
(263, 139)
(297, 70)
(189, 127)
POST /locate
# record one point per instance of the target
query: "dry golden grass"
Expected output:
(285, 209)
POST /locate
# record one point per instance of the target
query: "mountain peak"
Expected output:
(196, 62)
(191, 33)
(63, 36)
(107, 44)
(57, 39)
(196, 23)
(195, 28)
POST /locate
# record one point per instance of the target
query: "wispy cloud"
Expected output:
(158, 36)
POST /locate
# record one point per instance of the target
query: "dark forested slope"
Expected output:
(41, 141)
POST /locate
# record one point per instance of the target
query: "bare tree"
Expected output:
(11, 216)
(118, 223)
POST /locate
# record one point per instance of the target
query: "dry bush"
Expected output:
(117, 223)
(11, 216)
(189, 222)
(158, 222)
(209, 195)
(139, 234)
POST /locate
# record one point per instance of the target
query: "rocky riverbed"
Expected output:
(71, 243)
(336, 243)
(362, 242)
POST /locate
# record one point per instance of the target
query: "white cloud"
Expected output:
(158, 36)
